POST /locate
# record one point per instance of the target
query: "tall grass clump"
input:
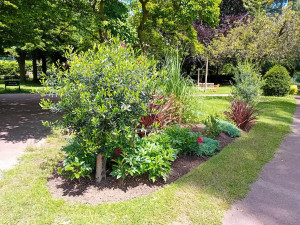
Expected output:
(176, 83)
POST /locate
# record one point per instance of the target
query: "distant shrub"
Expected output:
(277, 81)
(248, 83)
(242, 114)
(229, 128)
(293, 90)
(11, 68)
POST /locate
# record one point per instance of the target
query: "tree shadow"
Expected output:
(21, 118)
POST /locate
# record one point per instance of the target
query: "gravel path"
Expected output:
(20, 125)
(274, 198)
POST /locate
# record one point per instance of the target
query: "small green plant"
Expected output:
(189, 143)
(229, 128)
(248, 83)
(151, 155)
(293, 90)
(277, 81)
(212, 128)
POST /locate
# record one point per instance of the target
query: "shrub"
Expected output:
(79, 163)
(293, 90)
(11, 68)
(103, 96)
(242, 114)
(188, 143)
(212, 128)
(248, 83)
(277, 81)
(229, 128)
(149, 156)
(162, 111)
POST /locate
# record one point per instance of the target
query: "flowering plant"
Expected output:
(200, 140)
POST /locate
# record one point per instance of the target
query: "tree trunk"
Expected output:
(100, 168)
(21, 61)
(142, 23)
(206, 74)
(44, 63)
(34, 68)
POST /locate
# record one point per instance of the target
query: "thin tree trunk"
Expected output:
(34, 68)
(21, 61)
(142, 23)
(44, 63)
(100, 168)
(206, 74)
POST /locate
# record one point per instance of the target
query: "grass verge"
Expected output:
(200, 197)
(221, 90)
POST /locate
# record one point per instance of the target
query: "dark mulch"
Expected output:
(110, 190)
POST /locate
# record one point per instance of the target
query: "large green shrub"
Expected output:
(11, 68)
(102, 97)
(277, 81)
(248, 83)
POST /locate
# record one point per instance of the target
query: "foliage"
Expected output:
(165, 25)
(277, 81)
(176, 84)
(79, 162)
(229, 128)
(161, 112)
(187, 142)
(212, 128)
(11, 68)
(103, 96)
(242, 114)
(262, 39)
(151, 155)
(248, 83)
(293, 90)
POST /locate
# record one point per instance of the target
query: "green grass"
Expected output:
(221, 90)
(200, 197)
(202, 107)
(28, 87)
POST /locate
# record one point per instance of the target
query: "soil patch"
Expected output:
(110, 190)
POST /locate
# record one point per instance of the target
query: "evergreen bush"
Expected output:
(277, 81)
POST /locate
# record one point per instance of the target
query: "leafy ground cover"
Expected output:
(28, 87)
(200, 197)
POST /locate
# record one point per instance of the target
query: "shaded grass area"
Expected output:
(200, 197)
(221, 90)
(28, 87)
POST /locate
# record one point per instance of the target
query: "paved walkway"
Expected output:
(20, 125)
(274, 198)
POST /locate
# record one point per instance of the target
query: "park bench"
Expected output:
(210, 86)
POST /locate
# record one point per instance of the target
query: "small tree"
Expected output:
(102, 97)
(248, 83)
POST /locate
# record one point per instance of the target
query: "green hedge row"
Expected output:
(11, 68)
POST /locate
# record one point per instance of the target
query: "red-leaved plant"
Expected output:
(162, 112)
(243, 114)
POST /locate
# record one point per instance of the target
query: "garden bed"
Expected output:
(110, 190)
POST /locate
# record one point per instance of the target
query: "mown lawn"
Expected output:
(200, 197)
(28, 87)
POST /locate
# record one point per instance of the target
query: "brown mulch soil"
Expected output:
(110, 190)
